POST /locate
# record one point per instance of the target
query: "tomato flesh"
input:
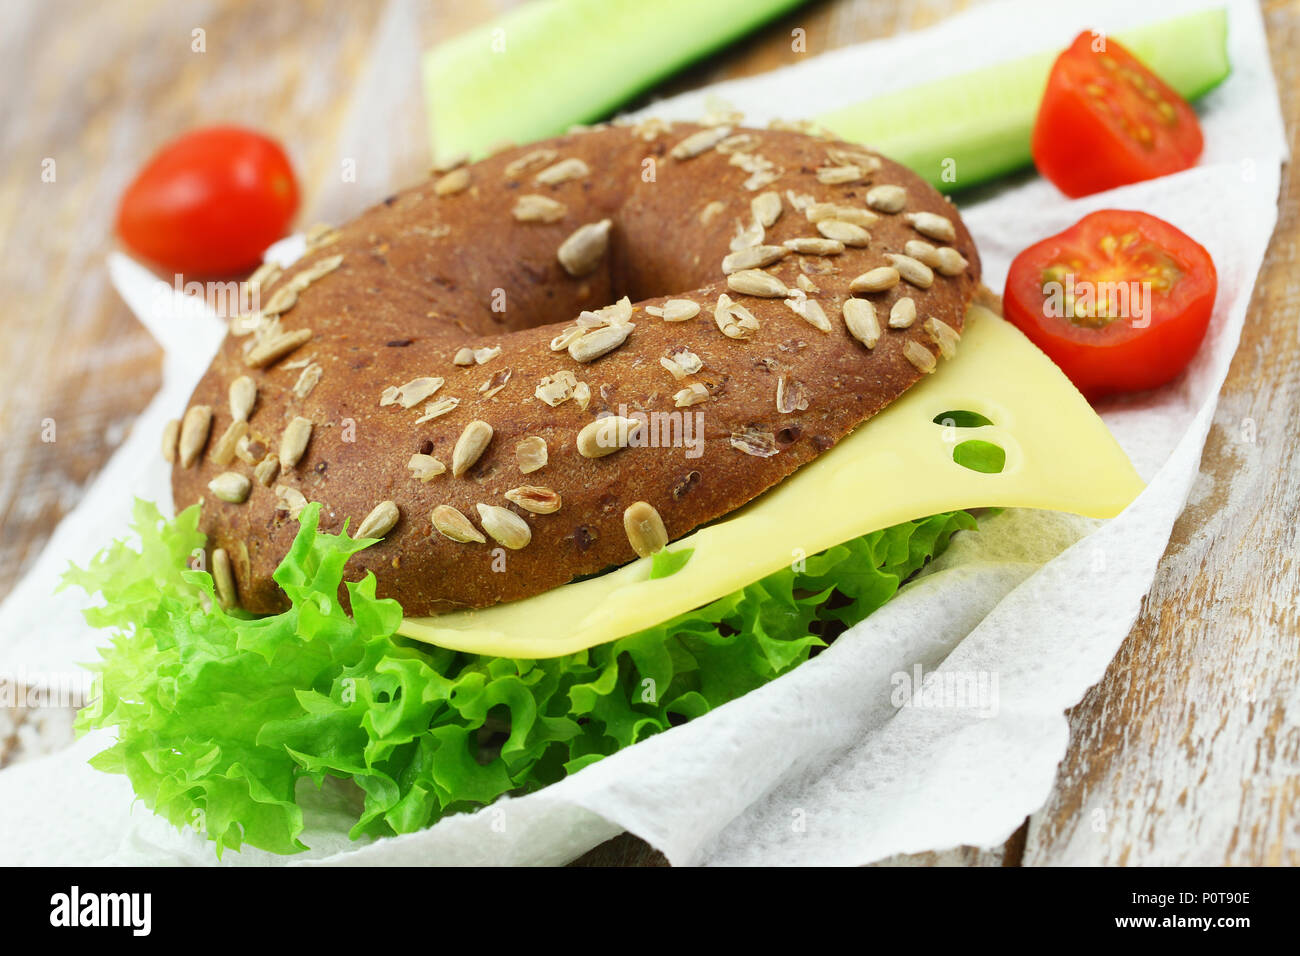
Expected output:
(1106, 120)
(1120, 301)
(210, 202)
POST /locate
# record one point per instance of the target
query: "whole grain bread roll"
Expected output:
(436, 372)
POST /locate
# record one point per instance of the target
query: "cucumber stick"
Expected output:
(552, 63)
(962, 130)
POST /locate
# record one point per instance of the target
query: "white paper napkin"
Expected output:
(819, 766)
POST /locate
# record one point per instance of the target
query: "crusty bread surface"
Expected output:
(471, 260)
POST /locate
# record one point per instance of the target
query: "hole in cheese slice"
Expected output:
(896, 467)
(980, 455)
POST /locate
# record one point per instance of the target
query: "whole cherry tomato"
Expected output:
(210, 202)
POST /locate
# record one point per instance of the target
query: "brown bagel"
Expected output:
(469, 261)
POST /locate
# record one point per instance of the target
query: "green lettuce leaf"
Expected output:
(220, 715)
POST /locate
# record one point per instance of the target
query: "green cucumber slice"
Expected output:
(984, 127)
(547, 65)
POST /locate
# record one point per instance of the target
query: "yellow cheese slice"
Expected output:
(897, 467)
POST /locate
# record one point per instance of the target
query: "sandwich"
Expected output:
(555, 451)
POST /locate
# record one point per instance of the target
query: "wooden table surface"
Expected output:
(1188, 751)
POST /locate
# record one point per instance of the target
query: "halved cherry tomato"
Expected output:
(1120, 300)
(1106, 120)
(210, 202)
